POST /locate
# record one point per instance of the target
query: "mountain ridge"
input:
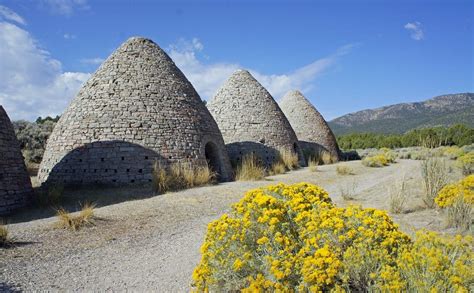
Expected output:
(443, 110)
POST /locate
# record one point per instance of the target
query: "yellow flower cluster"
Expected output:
(453, 152)
(461, 190)
(293, 238)
(379, 160)
(466, 163)
(437, 264)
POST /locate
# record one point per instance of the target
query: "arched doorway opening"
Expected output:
(212, 158)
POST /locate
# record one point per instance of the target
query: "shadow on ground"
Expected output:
(73, 198)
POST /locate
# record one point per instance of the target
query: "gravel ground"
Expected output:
(153, 244)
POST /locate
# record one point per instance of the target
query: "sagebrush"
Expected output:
(434, 172)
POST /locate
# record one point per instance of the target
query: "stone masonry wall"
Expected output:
(15, 184)
(250, 120)
(137, 109)
(309, 125)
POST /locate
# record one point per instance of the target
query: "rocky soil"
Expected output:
(152, 244)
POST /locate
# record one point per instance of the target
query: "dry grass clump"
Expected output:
(289, 159)
(344, 170)
(398, 197)
(69, 221)
(313, 164)
(4, 239)
(250, 169)
(375, 161)
(327, 158)
(348, 191)
(277, 168)
(434, 172)
(321, 156)
(180, 175)
(459, 214)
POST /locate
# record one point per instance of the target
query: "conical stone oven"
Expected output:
(311, 129)
(251, 121)
(15, 184)
(138, 108)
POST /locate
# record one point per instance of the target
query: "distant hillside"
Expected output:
(439, 111)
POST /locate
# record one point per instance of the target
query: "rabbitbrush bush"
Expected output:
(289, 238)
(458, 200)
(466, 163)
(375, 161)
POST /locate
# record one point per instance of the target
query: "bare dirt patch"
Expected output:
(153, 243)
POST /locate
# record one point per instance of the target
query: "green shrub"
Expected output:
(458, 134)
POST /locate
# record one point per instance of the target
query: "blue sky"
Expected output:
(344, 55)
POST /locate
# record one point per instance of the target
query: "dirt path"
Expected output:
(153, 244)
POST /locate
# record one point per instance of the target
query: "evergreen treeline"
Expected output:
(458, 134)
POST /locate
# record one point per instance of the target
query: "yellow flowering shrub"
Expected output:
(436, 263)
(390, 155)
(453, 152)
(450, 193)
(466, 163)
(379, 160)
(293, 238)
(458, 200)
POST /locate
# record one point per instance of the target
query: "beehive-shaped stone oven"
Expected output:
(251, 121)
(15, 184)
(311, 129)
(137, 108)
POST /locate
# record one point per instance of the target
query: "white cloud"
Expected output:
(416, 32)
(8, 15)
(66, 7)
(32, 83)
(93, 61)
(68, 36)
(207, 78)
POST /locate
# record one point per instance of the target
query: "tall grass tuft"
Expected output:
(398, 197)
(289, 158)
(277, 167)
(250, 169)
(344, 170)
(434, 172)
(313, 163)
(459, 214)
(180, 175)
(85, 217)
(326, 157)
(4, 239)
(348, 191)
